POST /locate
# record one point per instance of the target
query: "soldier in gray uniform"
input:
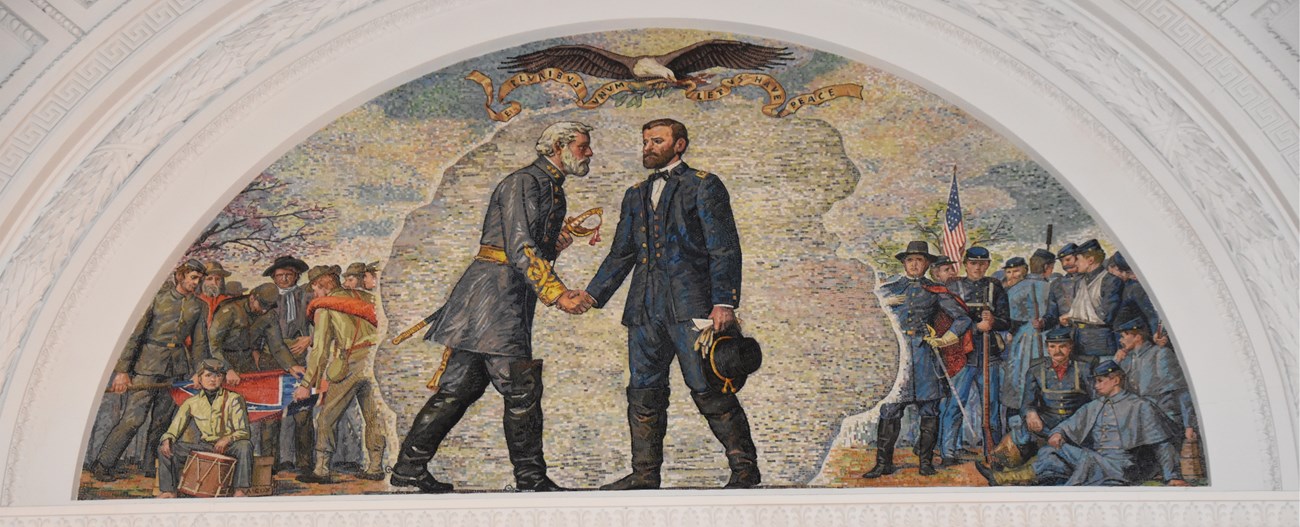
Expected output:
(1098, 445)
(156, 353)
(917, 304)
(245, 325)
(487, 321)
(291, 313)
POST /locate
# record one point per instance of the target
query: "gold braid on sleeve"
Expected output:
(542, 275)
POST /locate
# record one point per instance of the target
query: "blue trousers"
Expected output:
(1072, 465)
(650, 351)
(968, 385)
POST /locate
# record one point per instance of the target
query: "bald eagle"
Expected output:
(674, 66)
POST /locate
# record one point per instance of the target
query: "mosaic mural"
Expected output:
(714, 260)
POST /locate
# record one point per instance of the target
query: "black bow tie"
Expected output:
(659, 175)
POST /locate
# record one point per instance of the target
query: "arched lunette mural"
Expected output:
(828, 187)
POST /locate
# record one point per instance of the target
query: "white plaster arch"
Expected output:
(275, 73)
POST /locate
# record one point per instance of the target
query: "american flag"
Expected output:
(954, 231)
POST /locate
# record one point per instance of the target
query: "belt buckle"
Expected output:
(171, 345)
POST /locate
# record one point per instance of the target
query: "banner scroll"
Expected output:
(777, 106)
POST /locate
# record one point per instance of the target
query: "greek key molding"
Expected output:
(54, 105)
(1228, 72)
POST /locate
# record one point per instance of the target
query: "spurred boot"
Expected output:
(522, 421)
(925, 445)
(730, 425)
(647, 420)
(886, 436)
(440, 413)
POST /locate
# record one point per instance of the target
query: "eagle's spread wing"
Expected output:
(586, 59)
(723, 53)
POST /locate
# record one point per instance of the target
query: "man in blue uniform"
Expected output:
(487, 322)
(1134, 301)
(1060, 293)
(677, 237)
(1153, 372)
(1094, 303)
(1098, 445)
(1053, 389)
(918, 305)
(1027, 297)
(990, 313)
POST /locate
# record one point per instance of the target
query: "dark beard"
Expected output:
(654, 161)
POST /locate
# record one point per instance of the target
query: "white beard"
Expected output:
(211, 291)
(572, 166)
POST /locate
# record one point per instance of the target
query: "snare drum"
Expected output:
(207, 475)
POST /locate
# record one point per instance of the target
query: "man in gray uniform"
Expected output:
(1098, 445)
(487, 321)
(244, 329)
(156, 353)
(1153, 372)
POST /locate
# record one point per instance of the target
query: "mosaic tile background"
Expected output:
(817, 194)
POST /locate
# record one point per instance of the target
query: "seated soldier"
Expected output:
(1153, 372)
(221, 418)
(1054, 389)
(1099, 444)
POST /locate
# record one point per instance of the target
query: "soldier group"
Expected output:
(1062, 379)
(201, 329)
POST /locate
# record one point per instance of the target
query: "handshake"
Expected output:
(575, 302)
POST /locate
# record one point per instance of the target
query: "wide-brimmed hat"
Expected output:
(729, 361)
(357, 269)
(286, 261)
(322, 270)
(372, 267)
(214, 267)
(235, 288)
(917, 247)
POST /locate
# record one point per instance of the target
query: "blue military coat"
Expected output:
(1028, 300)
(916, 309)
(690, 239)
(1154, 373)
(1134, 302)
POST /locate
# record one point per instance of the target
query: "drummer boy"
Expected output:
(221, 419)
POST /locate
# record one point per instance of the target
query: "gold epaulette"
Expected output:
(701, 174)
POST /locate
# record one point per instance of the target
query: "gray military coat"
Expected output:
(491, 308)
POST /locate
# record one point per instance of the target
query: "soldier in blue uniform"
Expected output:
(487, 322)
(917, 304)
(1094, 303)
(1099, 444)
(1153, 372)
(1054, 388)
(990, 313)
(677, 237)
(1027, 297)
(1134, 301)
(1042, 264)
(1060, 293)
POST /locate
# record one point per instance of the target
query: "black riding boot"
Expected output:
(523, 426)
(730, 425)
(647, 420)
(440, 413)
(925, 444)
(886, 436)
